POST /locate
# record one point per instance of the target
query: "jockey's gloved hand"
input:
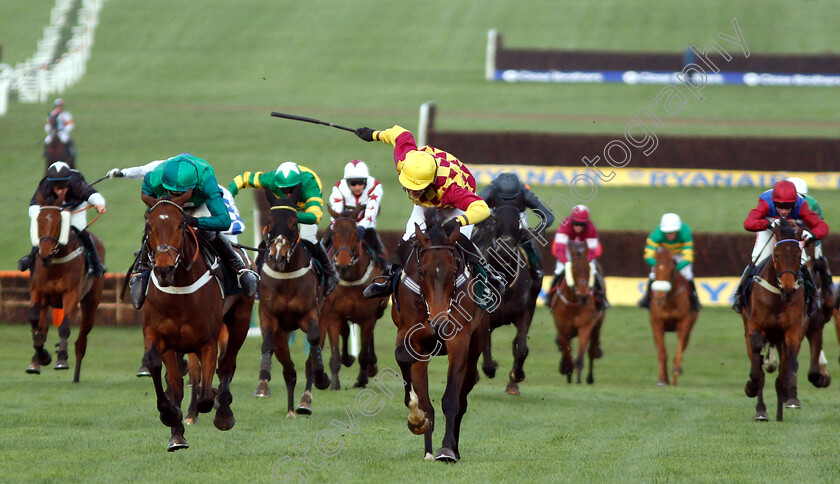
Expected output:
(772, 224)
(365, 133)
(450, 225)
(190, 220)
(808, 237)
(115, 173)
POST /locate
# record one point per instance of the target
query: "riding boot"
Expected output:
(97, 267)
(553, 286)
(695, 300)
(473, 256)
(812, 295)
(384, 284)
(330, 276)
(644, 302)
(601, 293)
(534, 259)
(140, 280)
(737, 297)
(375, 243)
(25, 262)
(246, 278)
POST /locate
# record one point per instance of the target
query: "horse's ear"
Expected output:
(40, 199)
(60, 201)
(149, 200)
(356, 211)
(422, 238)
(333, 213)
(450, 240)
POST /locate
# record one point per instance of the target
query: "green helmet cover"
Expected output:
(287, 175)
(179, 174)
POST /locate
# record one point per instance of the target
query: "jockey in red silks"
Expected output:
(781, 202)
(579, 227)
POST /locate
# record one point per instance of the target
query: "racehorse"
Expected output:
(289, 300)
(346, 304)
(436, 310)
(575, 313)
(60, 281)
(818, 372)
(499, 238)
(185, 312)
(670, 311)
(776, 315)
(56, 150)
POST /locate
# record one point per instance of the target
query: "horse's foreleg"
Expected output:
(195, 381)
(175, 387)
(661, 354)
(683, 333)
(37, 316)
(281, 352)
(315, 362)
(346, 358)
(236, 323)
(331, 328)
(755, 385)
(488, 364)
(470, 380)
(816, 375)
(520, 352)
(208, 356)
(421, 414)
(367, 357)
(266, 350)
(583, 343)
(564, 342)
(88, 306)
(594, 346)
(789, 365)
(458, 352)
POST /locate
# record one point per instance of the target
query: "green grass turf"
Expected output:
(165, 79)
(623, 428)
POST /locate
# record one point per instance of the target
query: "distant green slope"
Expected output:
(201, 77)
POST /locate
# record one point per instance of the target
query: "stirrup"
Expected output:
(378, 289)
(248, 281)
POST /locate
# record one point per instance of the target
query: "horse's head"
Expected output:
(507, 225)
(346, 240)
(51, 229)
(281, 233)
(786, 257)
(664, 274)
(167, 233)
(438, 265)
(579, 274)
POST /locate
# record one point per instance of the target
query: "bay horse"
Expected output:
(356, 269)
(185, 312)
(499, 238)
(575, 313)
(60, 281)
(670, 311)
(775, 316)
(436, 311)
(56, 150)
(289, 300)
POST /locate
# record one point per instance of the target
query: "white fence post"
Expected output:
(490, 62)
(427, 112)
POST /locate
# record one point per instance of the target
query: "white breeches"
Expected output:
(417, 217)
(309, 232)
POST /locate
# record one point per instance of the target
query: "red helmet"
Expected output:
(580, 213)
(784, 192)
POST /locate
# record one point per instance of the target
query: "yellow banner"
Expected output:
(654, 177)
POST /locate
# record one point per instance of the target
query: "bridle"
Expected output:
(168, 249)
(780, 273)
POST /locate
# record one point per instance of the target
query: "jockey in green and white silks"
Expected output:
(206, 211)
(674, 235)
(303, 187)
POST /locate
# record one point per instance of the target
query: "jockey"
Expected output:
(61, 179)
(433, 178)
(506, 189)
(205, 211)
(303, 187)
(237, 225)
(63, 122)
(781, 201)
(674, 235)
(356, 189)
(820, 264)
(579, 227)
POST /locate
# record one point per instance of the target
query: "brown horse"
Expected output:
(56, 150)
(436, 313)
(775, 315)
(575, 315)
(346, 304)
(818, 371)
(670, 311)
(289, 300)
(60, 281)
(185, 312)
(499, 238)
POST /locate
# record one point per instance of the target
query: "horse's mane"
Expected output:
(787, 228)
(434, 225)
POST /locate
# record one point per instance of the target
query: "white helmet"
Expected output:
(356, 169)
(800, 184)
(670, 223)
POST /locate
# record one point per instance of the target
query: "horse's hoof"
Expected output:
(335, 384)
(177, 442)
(428, 456)
(322, 381)
(61, 365)
(662, 383)
(224, 419)
(291, 414)
(751, 389)
(793, 403)
(760, 417)
(33, 369)
(191, 420)
(446, 455)
(262, 390)
(360, 384)
(43, 358)
(513, 389)
(143, 371)
(348, 360)
(517, 376)
(303, 410)
(599, 353)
